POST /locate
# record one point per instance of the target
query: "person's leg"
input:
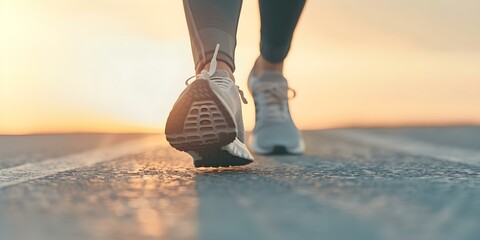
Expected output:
(279, 19)
(274, 130)
(212, 22)
(206, 121)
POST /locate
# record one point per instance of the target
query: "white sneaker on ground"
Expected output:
(274, 132)
(206, 121)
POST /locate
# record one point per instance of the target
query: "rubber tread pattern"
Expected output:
(200, 123)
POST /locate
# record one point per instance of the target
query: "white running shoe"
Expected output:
(274, 132)
(206, 121)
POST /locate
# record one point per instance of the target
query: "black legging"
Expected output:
(215, 21)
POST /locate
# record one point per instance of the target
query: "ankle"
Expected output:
(261, 65)
(221, 66)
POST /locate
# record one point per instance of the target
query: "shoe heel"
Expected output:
(199, 121)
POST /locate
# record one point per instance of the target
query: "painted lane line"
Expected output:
(32, 171)
(414, 147)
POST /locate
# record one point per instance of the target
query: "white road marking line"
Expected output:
(415, 147)
(31, 171)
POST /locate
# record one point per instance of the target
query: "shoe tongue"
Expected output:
(271, 78)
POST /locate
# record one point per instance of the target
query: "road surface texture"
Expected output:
(409, 183)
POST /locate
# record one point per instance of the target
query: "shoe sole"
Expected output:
(278, 149)
(218, 158)
(200, 124)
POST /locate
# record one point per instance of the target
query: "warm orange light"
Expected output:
(83, 66)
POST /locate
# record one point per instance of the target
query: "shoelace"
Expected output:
(273, 100)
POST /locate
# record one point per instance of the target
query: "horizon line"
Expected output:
(347, 126)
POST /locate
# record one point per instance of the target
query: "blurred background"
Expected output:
(118, 66)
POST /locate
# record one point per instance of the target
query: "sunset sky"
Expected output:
(118, 65)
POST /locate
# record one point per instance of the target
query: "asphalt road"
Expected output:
(412, 183)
